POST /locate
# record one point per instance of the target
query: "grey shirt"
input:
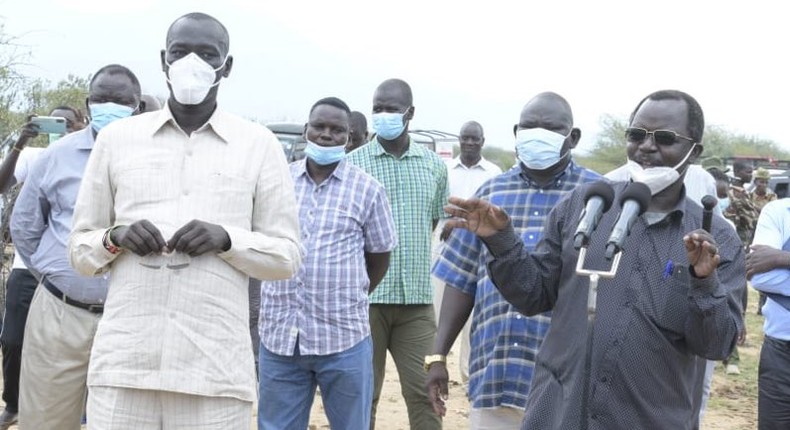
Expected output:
(655, 321)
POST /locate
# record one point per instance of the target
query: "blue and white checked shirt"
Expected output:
(326, 304)
(504, 342)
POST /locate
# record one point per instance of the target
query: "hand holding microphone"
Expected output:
(703, 253)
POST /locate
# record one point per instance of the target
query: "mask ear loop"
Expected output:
(683, 161)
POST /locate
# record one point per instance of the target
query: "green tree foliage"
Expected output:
(609, 150)
(41, 96)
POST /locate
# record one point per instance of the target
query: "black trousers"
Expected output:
(773, 403)
(20, 288)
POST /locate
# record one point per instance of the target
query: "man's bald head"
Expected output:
(204, 19)
(551, 103)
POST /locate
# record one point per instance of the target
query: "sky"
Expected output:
(464, 60)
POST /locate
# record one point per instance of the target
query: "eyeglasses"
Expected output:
(660, 137)
(173, 261)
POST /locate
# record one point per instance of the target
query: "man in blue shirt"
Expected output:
(503, 341)
(66, 310)
(768, 266)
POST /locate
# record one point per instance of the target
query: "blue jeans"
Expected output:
(287, 388)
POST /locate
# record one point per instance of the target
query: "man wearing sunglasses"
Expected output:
(66, 306)
(674, 302)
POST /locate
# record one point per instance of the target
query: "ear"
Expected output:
(141, 107)
(162, 56)
(576, 134)
(695, 153)
(304, 131)
(228, 66)
(409, 113)
(482, 142)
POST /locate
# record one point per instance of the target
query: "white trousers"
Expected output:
(117, 408)
(501, 418)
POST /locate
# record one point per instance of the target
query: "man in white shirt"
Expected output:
(183, 205)
(465, 174)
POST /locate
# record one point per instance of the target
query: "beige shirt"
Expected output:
(184, 330)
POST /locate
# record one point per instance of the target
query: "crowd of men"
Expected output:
(145, 234)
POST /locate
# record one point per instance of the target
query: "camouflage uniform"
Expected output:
(743, 213)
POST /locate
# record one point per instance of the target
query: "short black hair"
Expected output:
(741, 164)
(200, 16)
(403, 86)
(473, 124)
(115, 69)
(696, 119)
(76, 112)
(358, 118)
(332, 101)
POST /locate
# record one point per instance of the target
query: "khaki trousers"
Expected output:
(55, 355)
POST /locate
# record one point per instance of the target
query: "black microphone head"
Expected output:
(603, 190)
(638, 192)
(709, 202)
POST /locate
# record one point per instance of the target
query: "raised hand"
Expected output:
(478, 216)
(703, 253)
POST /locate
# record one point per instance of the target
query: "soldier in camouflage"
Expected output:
(762, 194)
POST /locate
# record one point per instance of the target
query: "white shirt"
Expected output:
(464, 181)
(24, 163)
(184, 330)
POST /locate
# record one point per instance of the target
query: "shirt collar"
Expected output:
(85, 137)
(216, 122)
(558, 178)
(456, 162)
(340, 172)
(413, 150)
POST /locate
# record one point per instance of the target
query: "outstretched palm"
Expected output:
(478, 216)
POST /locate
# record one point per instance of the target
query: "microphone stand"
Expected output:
(592, 303)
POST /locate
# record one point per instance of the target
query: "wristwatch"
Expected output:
(434, 358)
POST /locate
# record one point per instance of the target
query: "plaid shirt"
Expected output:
(416, 185)
(326, 303)
(504, 342)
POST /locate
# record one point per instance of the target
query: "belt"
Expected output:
(96, 309)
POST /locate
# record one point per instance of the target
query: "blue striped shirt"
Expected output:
(504, 342)
(326, 303)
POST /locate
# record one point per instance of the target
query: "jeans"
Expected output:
(287, 388)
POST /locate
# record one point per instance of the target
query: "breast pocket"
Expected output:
(145, 185)
(227, 196)
(674, 311)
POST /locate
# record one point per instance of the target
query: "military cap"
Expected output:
(762, 173)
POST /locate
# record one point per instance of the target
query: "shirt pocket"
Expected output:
(145, 186)
(227, 198)
(674, 312)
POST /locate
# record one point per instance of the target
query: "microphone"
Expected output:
(634, 201)
(708, 203)
(597, 199)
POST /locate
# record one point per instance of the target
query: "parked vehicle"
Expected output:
(291, 137)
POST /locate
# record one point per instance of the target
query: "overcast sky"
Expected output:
(464, 60)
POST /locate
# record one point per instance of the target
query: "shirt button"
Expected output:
(604, 379)
(531, 237)
(616, 342)
(515, 344)
(189, 152)
(536, 213)
(518, 317)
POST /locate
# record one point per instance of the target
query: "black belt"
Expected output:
(96, 309)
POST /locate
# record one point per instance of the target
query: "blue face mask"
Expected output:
(324, 155)
(388, 125)
(103, 114)
(724, 204)
(539, 148)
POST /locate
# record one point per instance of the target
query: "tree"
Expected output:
(41, 97)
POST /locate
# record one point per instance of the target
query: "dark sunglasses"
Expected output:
(660, 137)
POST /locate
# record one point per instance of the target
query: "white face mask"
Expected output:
(191, 78)
(657, 178)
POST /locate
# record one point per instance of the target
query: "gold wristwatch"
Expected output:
(434, 358)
